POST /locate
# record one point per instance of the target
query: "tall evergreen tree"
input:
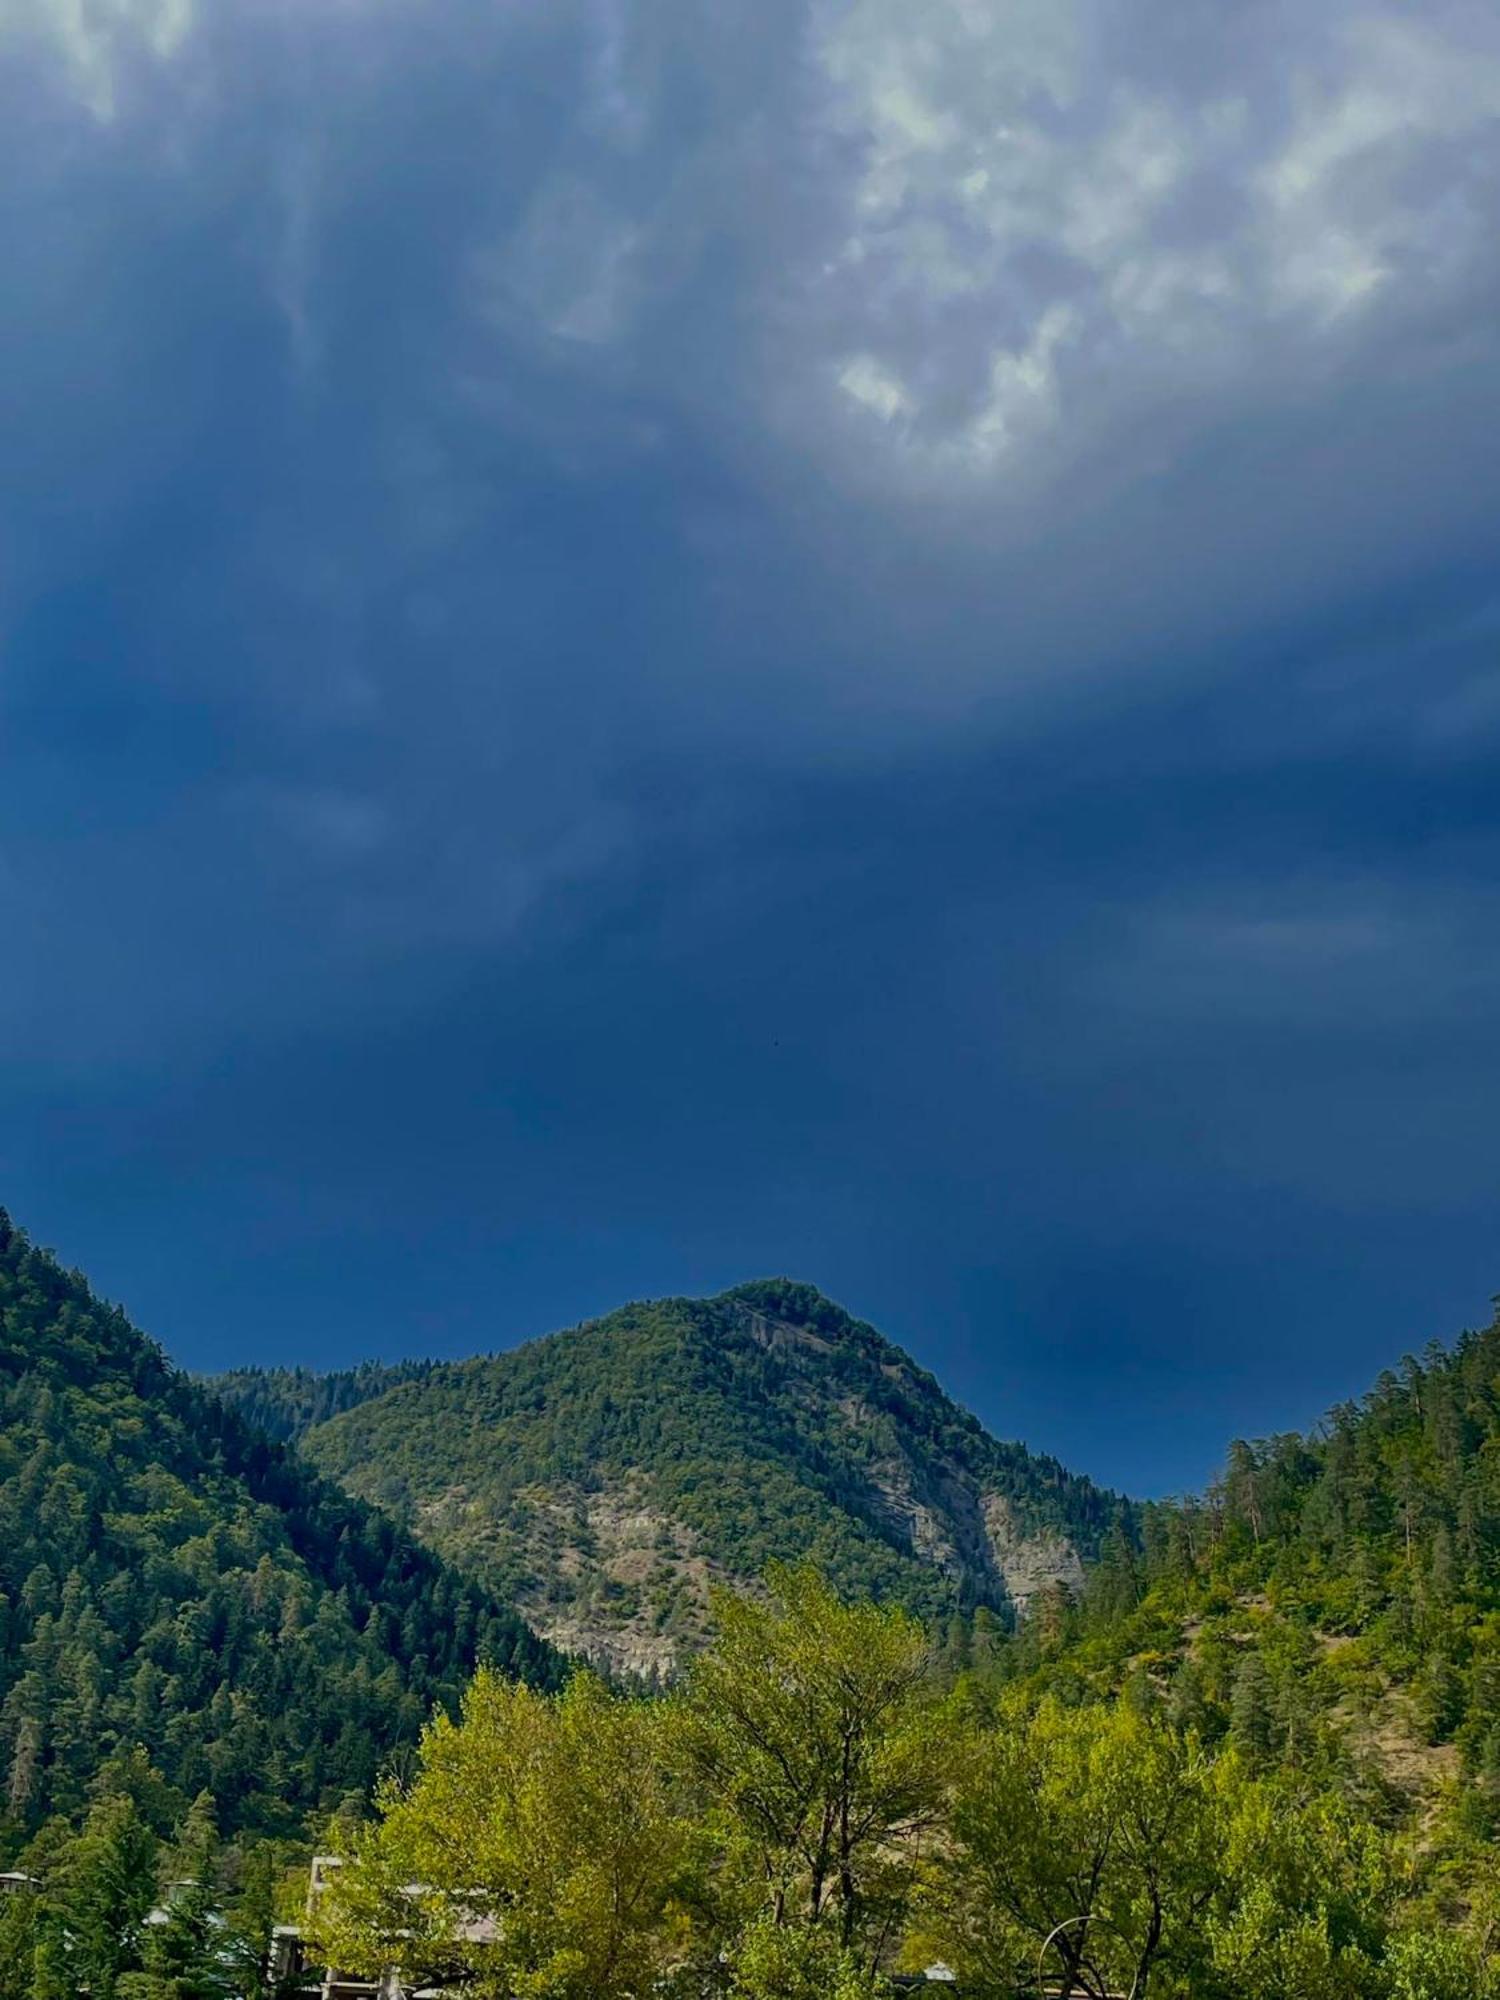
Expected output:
(1252, 1717)
(106, 1883)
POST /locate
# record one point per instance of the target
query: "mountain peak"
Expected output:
(796, 1302)
(607, 1477)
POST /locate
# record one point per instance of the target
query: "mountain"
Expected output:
(173, 1582)
(1332, 1604)
(604, 1478)
(283, 1403)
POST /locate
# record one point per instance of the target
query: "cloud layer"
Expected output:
(902, 588)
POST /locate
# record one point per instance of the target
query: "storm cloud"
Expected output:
(648, 643)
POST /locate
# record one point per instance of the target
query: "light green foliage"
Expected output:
(551, 1858)
(1261, 1757)
(812, 1724)
(779, 1961)
(1262, 1947)
(1100, 1847)
(1081, 1838)
(768, 1820)
(807, 1811)
(1439, 1965)
(1304, 1894)
(810, 1810)
(1331, 1606)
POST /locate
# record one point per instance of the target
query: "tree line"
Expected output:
(170, 1580)
(118, 1910)
(818, 1809)
(1327, 1594)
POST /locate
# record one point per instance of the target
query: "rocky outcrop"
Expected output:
(1028, 1562)
(610, 1577)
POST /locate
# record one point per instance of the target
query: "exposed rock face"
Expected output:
(603, 1572)
(778, 1335)
(639, 1584)
(642, 1582)
(976, 1537)
(1028, 1562)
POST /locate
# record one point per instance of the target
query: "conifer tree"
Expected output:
(1252, 1720)
(106, 1883)
(183, 1956)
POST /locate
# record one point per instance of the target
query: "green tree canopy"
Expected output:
(539, 1854)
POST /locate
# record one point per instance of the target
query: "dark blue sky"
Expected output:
(650, 644)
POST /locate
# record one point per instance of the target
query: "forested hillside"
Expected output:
(283, 1403)
(1332, 1605)
(176, 1588)
(1250, 1748)
(812, 1810)
(604, 1477)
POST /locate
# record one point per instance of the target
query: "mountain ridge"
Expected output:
(607, 1476)
(176, 1584)
(284, 1403)
(1330, 1605)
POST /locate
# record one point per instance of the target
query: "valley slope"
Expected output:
(186, 1605)
(1331, 1605)
(605, 1478)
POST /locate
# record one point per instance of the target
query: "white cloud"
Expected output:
(93, 38)
(1039, 316)
(637, 340)
(1350, 199)
(1037, 197)
(874, 387)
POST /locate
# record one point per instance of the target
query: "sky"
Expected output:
(648, 644)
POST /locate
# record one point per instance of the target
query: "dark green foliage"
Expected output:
(93, 1919)
(116, 1908)
(1298, 1784)
(1332, 1605)
(761, 1426)
(250, 1919)
(284, 1402)
(185, 1952)
(171, 1580)
(21, 1916)
(1252, 1718)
